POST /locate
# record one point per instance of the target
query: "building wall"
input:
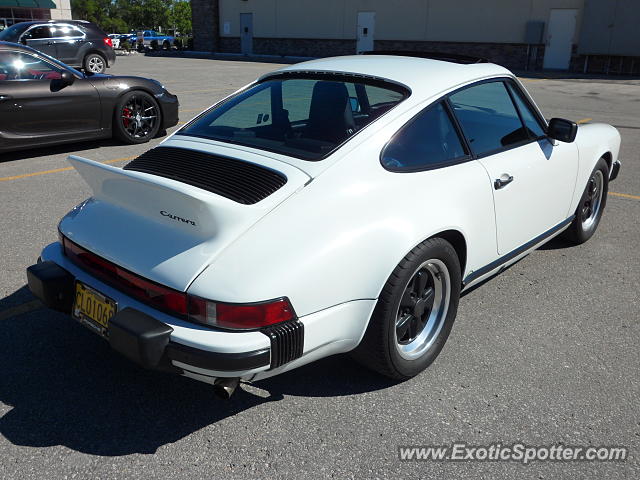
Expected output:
(493, 21)
(205, 22)
(611, 28)
(63, 10)
(605, 39)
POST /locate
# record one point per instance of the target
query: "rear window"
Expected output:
(305, 117)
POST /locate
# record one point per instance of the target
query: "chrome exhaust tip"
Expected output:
(224, 387)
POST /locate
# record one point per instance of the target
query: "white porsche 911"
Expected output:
(336, 205)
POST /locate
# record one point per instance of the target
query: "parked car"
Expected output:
(115, 40)
(150, 39)
(335, 205)
(77, 43)
(43, 101)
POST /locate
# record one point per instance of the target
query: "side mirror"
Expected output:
(563, 130)
(23, 40)
(67, 78)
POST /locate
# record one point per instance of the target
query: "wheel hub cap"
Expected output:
(422, 309)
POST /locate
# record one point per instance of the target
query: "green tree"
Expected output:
(180, 18)
(127, 15)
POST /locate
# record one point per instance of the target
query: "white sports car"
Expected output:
(336, 205)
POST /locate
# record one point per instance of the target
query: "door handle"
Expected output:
(50, 43)
(504, 180)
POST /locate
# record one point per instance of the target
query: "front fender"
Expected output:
(594, 141)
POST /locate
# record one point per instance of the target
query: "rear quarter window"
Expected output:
(428, 141)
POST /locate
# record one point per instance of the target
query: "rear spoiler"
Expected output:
(173, 203)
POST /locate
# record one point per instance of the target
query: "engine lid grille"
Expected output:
(237, 180)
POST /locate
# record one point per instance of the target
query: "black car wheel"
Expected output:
(591, 206)
(137, 118)
(95, 63)
(415, 312)
(166, 45)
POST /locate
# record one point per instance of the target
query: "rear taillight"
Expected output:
(156, 295)
(215, 314)
(108, 42)
(240, 316)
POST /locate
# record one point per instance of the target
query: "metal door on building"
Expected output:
(246, 33)
(560, 35)
(365, 30)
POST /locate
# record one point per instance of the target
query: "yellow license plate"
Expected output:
(93, 309)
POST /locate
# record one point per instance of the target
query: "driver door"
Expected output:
(35, 104)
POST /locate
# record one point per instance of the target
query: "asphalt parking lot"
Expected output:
(545, 353)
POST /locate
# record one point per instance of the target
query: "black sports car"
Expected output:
(43, 101)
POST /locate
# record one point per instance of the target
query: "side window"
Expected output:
(488, 117)
(65, 31)
(22, 66)
(428, 141)
(534, 128)
(37, 33)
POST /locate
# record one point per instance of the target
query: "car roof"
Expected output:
(46, 22)
(424, 77)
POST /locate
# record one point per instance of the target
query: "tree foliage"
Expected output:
(125, 15)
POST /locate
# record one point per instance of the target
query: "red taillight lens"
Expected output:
(156, 295)
(223, 315)
(236, 316)
(108, 42)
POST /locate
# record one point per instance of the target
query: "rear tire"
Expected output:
(94, 63)
(415, 312)
(137, 118)
(591, 206)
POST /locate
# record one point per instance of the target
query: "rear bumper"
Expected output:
(160, 341)
(150, 342)
(169, 105)
(110, 53)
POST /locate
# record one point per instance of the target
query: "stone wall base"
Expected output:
(514, 56)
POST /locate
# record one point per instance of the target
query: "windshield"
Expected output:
(11, 34)
(305, 116)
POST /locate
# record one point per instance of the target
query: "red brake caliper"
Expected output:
(126, 117)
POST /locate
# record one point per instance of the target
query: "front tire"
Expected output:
(136, 118)
(94, 63)
(415, 312)
(591, 206)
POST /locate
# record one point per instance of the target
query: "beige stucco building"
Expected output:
(15, 11)
(523, 34)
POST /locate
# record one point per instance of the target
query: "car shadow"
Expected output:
(65, 148)
(65, 386)
(556, 243)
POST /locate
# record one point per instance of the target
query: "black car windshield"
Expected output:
(305, 116)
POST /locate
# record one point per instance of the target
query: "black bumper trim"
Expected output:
(615, 170)
(136, 335)
(287, 342)
(52, 285)
(224, 362)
